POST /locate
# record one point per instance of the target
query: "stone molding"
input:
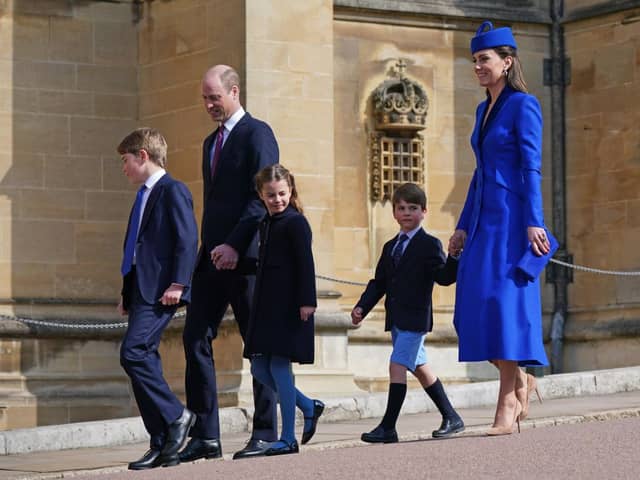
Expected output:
(536, 11)
(599, 9)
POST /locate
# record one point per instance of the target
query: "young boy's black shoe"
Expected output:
(448, 427)
(380, 435)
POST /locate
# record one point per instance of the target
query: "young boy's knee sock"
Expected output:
(397, 392)
(438, 395)
(281, 373)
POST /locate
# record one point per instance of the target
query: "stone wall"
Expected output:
(603, 190)
(69, 94)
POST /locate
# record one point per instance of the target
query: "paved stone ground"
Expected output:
(593, 450)
(580, 437)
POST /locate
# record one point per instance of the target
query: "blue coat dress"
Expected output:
(498, 313)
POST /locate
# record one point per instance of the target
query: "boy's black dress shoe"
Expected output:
(148, 460)
(318, 408)
(380, 435)
(448, 427)
(253, 448)
(285, 449)
(201, 448)
(176, 435)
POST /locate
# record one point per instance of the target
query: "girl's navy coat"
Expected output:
(285, 281)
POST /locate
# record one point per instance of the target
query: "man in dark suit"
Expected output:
(410, 264)
(159, 255)
(239, 147)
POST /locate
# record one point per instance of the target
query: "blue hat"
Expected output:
(491, 38)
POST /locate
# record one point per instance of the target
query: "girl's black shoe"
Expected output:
(282, 448)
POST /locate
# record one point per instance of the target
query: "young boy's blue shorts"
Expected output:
(408, 348)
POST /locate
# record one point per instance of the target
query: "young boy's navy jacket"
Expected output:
(408, 286)
(167, 241)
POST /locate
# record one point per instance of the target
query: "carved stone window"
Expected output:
(396, 146)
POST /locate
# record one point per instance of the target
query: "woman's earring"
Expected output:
(505, 72)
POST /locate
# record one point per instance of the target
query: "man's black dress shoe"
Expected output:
(380, 435)
(253, 448)
(148, 460)
(448, 427)
(176, 435)
(318, 408)
(284, 449)
(201, 448)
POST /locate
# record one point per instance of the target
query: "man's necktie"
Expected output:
(132, 233)
(215, 158)
(397, 250)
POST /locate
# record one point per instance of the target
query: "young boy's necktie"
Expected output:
(396, 254)
(132, 233)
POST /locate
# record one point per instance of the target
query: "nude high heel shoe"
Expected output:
(522, 393)
(532, 384)
(529, 384)
(495, 431)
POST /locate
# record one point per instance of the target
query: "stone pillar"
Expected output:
(290, 85)
(289, 72)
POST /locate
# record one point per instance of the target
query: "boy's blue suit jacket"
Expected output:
(167, 241)
(408, 287)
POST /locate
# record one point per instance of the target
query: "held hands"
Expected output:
(356, 315)
(224, 257)
(456, 242)
(121, 311)
(172, 295)
(539, 241)
(306, 312)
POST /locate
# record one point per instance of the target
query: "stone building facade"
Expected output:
(77, 75)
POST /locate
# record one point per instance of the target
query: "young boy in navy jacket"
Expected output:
(158, 259)
(409, 265)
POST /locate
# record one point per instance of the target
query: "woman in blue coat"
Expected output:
(498, 312)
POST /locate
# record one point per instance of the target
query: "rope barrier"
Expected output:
(346, 282)
(74, 326)
(100, 326)
(595, 270)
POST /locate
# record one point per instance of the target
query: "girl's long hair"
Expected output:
(275, 173)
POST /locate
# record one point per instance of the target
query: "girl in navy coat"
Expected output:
(498, 312)
(281, 329)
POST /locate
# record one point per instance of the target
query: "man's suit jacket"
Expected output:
(409, 285)
(167, 241)
(232, 209)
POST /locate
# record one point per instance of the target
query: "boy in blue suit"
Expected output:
(410, 264)
(159, 256)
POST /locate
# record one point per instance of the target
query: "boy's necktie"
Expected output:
(132, 233)
(215, 158)
(397, 250)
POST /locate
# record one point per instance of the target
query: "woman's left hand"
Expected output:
(306, 312)
(539, 241)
